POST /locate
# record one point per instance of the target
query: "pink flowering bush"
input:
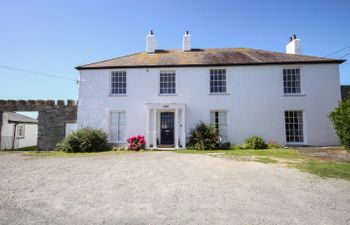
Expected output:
(136, 142)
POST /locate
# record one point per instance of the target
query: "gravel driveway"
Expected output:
(164, 188)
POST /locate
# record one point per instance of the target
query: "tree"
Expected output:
(340, 118)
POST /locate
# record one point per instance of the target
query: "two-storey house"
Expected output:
(162, 94)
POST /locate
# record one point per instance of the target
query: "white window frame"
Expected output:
(18, 128)
(159, 82)
(304, 127)
(301, 80)
(224, 138)
(226, 82)
(110, 83)
(120, 141)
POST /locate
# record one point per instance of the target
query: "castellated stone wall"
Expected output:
(52, 117)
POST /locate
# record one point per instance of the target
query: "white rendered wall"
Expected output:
(30, 136)
(255, 101)
(70, 128)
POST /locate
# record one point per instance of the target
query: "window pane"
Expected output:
(117, 126)
(294, 126)
(218, 119)
(218, 80)
(167, 83)
(118, 82)
(291, 81)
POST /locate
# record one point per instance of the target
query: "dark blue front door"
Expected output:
(167, 128)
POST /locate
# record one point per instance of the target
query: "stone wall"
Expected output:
(52, 117)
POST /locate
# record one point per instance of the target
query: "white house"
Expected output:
(162, 94)
(18, 131)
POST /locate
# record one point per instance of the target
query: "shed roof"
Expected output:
(16, 117)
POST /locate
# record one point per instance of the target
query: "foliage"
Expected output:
(340, 118)
(273, 145)
(84, 140)
(203, 137)
(225, 145)
(136, 143)
(255, 142)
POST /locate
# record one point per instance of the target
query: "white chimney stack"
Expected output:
(151, 44)
(293, 47)
(186, 42)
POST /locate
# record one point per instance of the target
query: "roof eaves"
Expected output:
(335, 61)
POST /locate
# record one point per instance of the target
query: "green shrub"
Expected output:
(273, 145)
(340, 118)
(84, 140)
(203, 137)
(225, 145)
(255, 142)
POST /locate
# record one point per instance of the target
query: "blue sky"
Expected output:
(55, 36)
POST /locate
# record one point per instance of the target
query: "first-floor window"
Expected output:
(218, 81)
(117, 126)
(118, 83)
(291, 81)
(167, 83)
(294, 126)
(219, 120)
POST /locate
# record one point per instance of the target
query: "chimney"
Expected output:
(186, 42)
(293, 47)
(151, 44)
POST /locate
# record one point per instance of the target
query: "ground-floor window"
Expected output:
(117, 126)
(294, 126)
(219, 120)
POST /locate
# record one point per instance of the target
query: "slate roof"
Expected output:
(15, 117)
(206, 57)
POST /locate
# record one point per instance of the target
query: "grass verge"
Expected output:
(325, 168)
(290, 157)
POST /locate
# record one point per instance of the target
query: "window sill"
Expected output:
(219, 93)
(121, 95)
(296, 144)
(294, 95)
(167, 95)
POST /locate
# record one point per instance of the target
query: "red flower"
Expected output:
(136, 142)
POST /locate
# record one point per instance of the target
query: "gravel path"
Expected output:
(164, 188)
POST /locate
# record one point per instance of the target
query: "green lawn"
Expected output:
(325, 168)
(289, 157)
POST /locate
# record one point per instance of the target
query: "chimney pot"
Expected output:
(294, 46)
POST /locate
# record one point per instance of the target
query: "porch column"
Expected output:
(154, 128)
(147, 128)
(176, 126)
(183, 128)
